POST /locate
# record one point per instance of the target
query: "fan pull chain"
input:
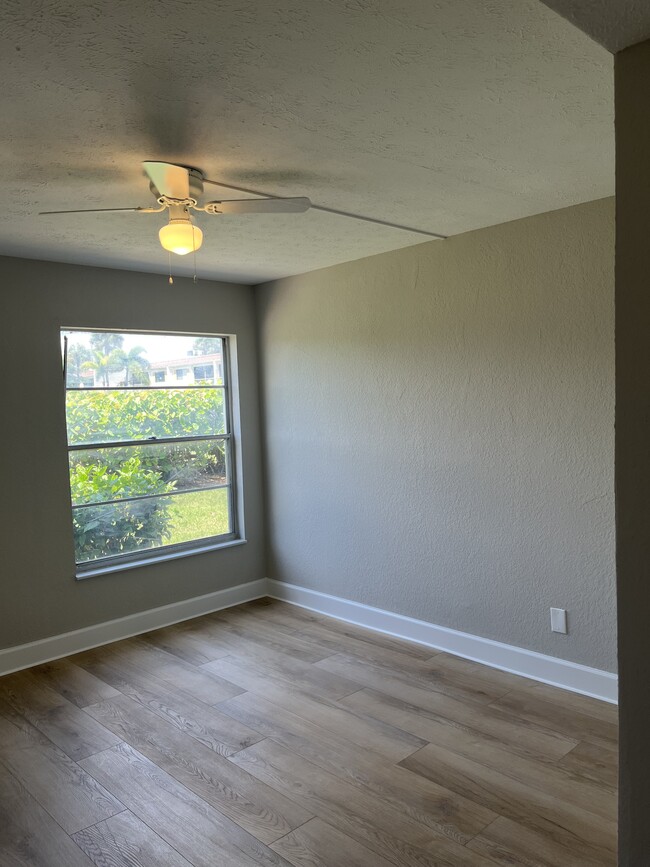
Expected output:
(171, 279)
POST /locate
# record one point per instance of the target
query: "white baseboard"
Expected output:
(47, 649)
(537, 666)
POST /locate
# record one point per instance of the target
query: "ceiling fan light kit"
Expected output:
(178, 189)
(180, 236)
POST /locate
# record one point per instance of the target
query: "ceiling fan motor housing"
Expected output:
(195, 178)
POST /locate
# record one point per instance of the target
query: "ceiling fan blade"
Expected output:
(260, 206)
(169, 179)
(98, 211)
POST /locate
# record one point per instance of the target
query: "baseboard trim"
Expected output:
(537, 666)
(47, 649)
(567, 675)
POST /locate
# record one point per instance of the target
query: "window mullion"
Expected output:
(152, 441)
(149, 496)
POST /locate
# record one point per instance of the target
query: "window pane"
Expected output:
(100, 359)
(204, 374)
(137, 525)
(110, 416)
(199, 515)
(98, 475)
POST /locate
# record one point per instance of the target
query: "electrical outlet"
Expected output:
(558, 620)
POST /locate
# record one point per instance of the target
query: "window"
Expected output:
(151, 465)
(181, 372)
(204, 373)
(159, 376)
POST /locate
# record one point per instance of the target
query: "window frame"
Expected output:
(161, 553)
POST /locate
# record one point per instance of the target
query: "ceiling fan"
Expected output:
(178, 190)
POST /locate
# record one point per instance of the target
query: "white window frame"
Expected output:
(147, 556)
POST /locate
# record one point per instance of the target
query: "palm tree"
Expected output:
(105, 363)
(105, 342)
(136, 367)
(77, 355)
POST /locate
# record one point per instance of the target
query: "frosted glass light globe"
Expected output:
(180, 237)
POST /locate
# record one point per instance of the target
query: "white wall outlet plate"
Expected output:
(558, 620)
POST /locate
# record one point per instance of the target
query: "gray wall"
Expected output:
(439, 428)
(39, 596)
(633, 446)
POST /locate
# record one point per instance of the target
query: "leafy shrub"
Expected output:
(95, 416)
(118, 528)
(98, 482)
(114, 474)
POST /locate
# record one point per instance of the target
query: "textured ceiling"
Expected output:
(615, 24)
(448, 115)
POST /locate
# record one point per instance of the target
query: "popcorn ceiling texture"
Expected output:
(440, 431)
(448, 115)
(615, 24)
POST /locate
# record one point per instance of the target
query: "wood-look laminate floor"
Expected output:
(268, 735)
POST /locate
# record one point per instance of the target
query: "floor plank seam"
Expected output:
(483, 830)
(292, 830)
(568, 752)
(99, 821)
(96, 753)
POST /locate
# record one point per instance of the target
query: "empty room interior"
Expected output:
(325, 357)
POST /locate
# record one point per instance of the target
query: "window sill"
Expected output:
(159, 558)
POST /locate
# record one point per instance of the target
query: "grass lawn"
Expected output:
(198, 515)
